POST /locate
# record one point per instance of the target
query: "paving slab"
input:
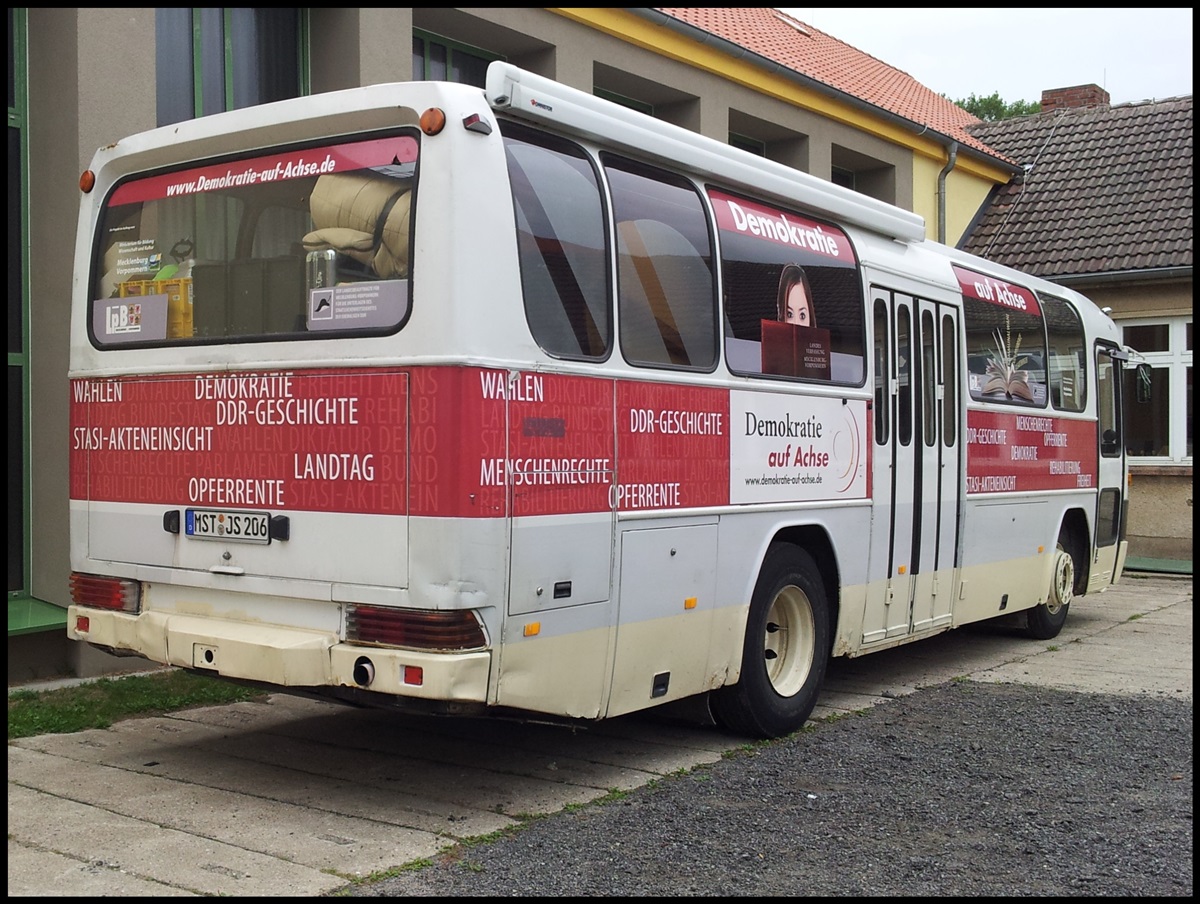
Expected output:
(295, 797)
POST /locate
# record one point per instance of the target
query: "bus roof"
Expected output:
(530, 96)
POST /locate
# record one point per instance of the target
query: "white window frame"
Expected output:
(1177, 360)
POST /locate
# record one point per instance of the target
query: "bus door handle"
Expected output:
(227, 569)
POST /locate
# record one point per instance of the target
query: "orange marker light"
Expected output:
(533, 629)
(433, 121)
(689, 603)
(87, 181)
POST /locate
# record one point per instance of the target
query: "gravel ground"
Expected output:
(961, 789)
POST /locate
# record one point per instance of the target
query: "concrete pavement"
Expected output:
(294, 797)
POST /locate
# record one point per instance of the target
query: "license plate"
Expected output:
(244, 527)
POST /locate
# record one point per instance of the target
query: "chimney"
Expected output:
(1079, 96)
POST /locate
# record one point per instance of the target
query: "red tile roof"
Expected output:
(808, 51)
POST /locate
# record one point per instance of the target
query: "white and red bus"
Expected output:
(499, 402)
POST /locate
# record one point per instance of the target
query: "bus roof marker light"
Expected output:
(87, 181)
(476, 123)
(433, 121)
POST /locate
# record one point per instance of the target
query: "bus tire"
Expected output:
(786, 649)
(1046, 619)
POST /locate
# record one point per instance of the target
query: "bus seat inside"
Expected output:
(364, 216)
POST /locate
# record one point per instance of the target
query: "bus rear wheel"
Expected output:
(786, 649)
(1047, 619)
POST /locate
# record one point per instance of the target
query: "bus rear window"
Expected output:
(288, 245)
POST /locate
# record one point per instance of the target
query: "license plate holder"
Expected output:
(228, 525)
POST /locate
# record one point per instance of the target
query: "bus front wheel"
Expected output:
(1047, 619)
(786, 649)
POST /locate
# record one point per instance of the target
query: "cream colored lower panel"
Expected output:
(984, 588)
(886, 614)
(1104, 570)
(459, 677)
(666, 646)
(1122, 551)
(120, 631)
(555, 670)
(287, 657)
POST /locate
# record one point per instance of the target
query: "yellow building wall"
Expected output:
(966, 190)
(967, 185)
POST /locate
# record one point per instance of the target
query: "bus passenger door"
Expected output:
(893, 488)
(938, 465)
(1108, 533)
(916, 482)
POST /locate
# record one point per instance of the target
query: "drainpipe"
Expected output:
(941, 191)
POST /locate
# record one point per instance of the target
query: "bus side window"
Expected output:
(1066, 354)
(793, 310)
(666, 287)
(882, 395)
(1006, 354)
(561, 243)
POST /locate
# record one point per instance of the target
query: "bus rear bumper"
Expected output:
(287, 657)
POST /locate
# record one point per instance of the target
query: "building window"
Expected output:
(214, 59)
(842, 177)
(745, 143)
(438, 59)
(624, 101)
(1159, 431)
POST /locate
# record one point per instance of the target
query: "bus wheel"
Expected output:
(785, 652)
(1046, 620)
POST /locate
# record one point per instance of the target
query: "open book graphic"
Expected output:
(795, 351)
(1004, 373)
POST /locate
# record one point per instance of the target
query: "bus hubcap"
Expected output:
(789, 641)
(1064, 581)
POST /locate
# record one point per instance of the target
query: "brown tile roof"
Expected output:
(808, 51)
(1107, 189)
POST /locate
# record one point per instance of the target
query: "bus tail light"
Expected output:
(417, 629)
(101, 592)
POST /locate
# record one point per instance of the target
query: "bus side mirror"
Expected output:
(1143, 382)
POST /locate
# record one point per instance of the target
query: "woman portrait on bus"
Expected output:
(795, 297)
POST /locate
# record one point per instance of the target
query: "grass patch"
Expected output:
(747, 749)
(98, 704)
(411, 867)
